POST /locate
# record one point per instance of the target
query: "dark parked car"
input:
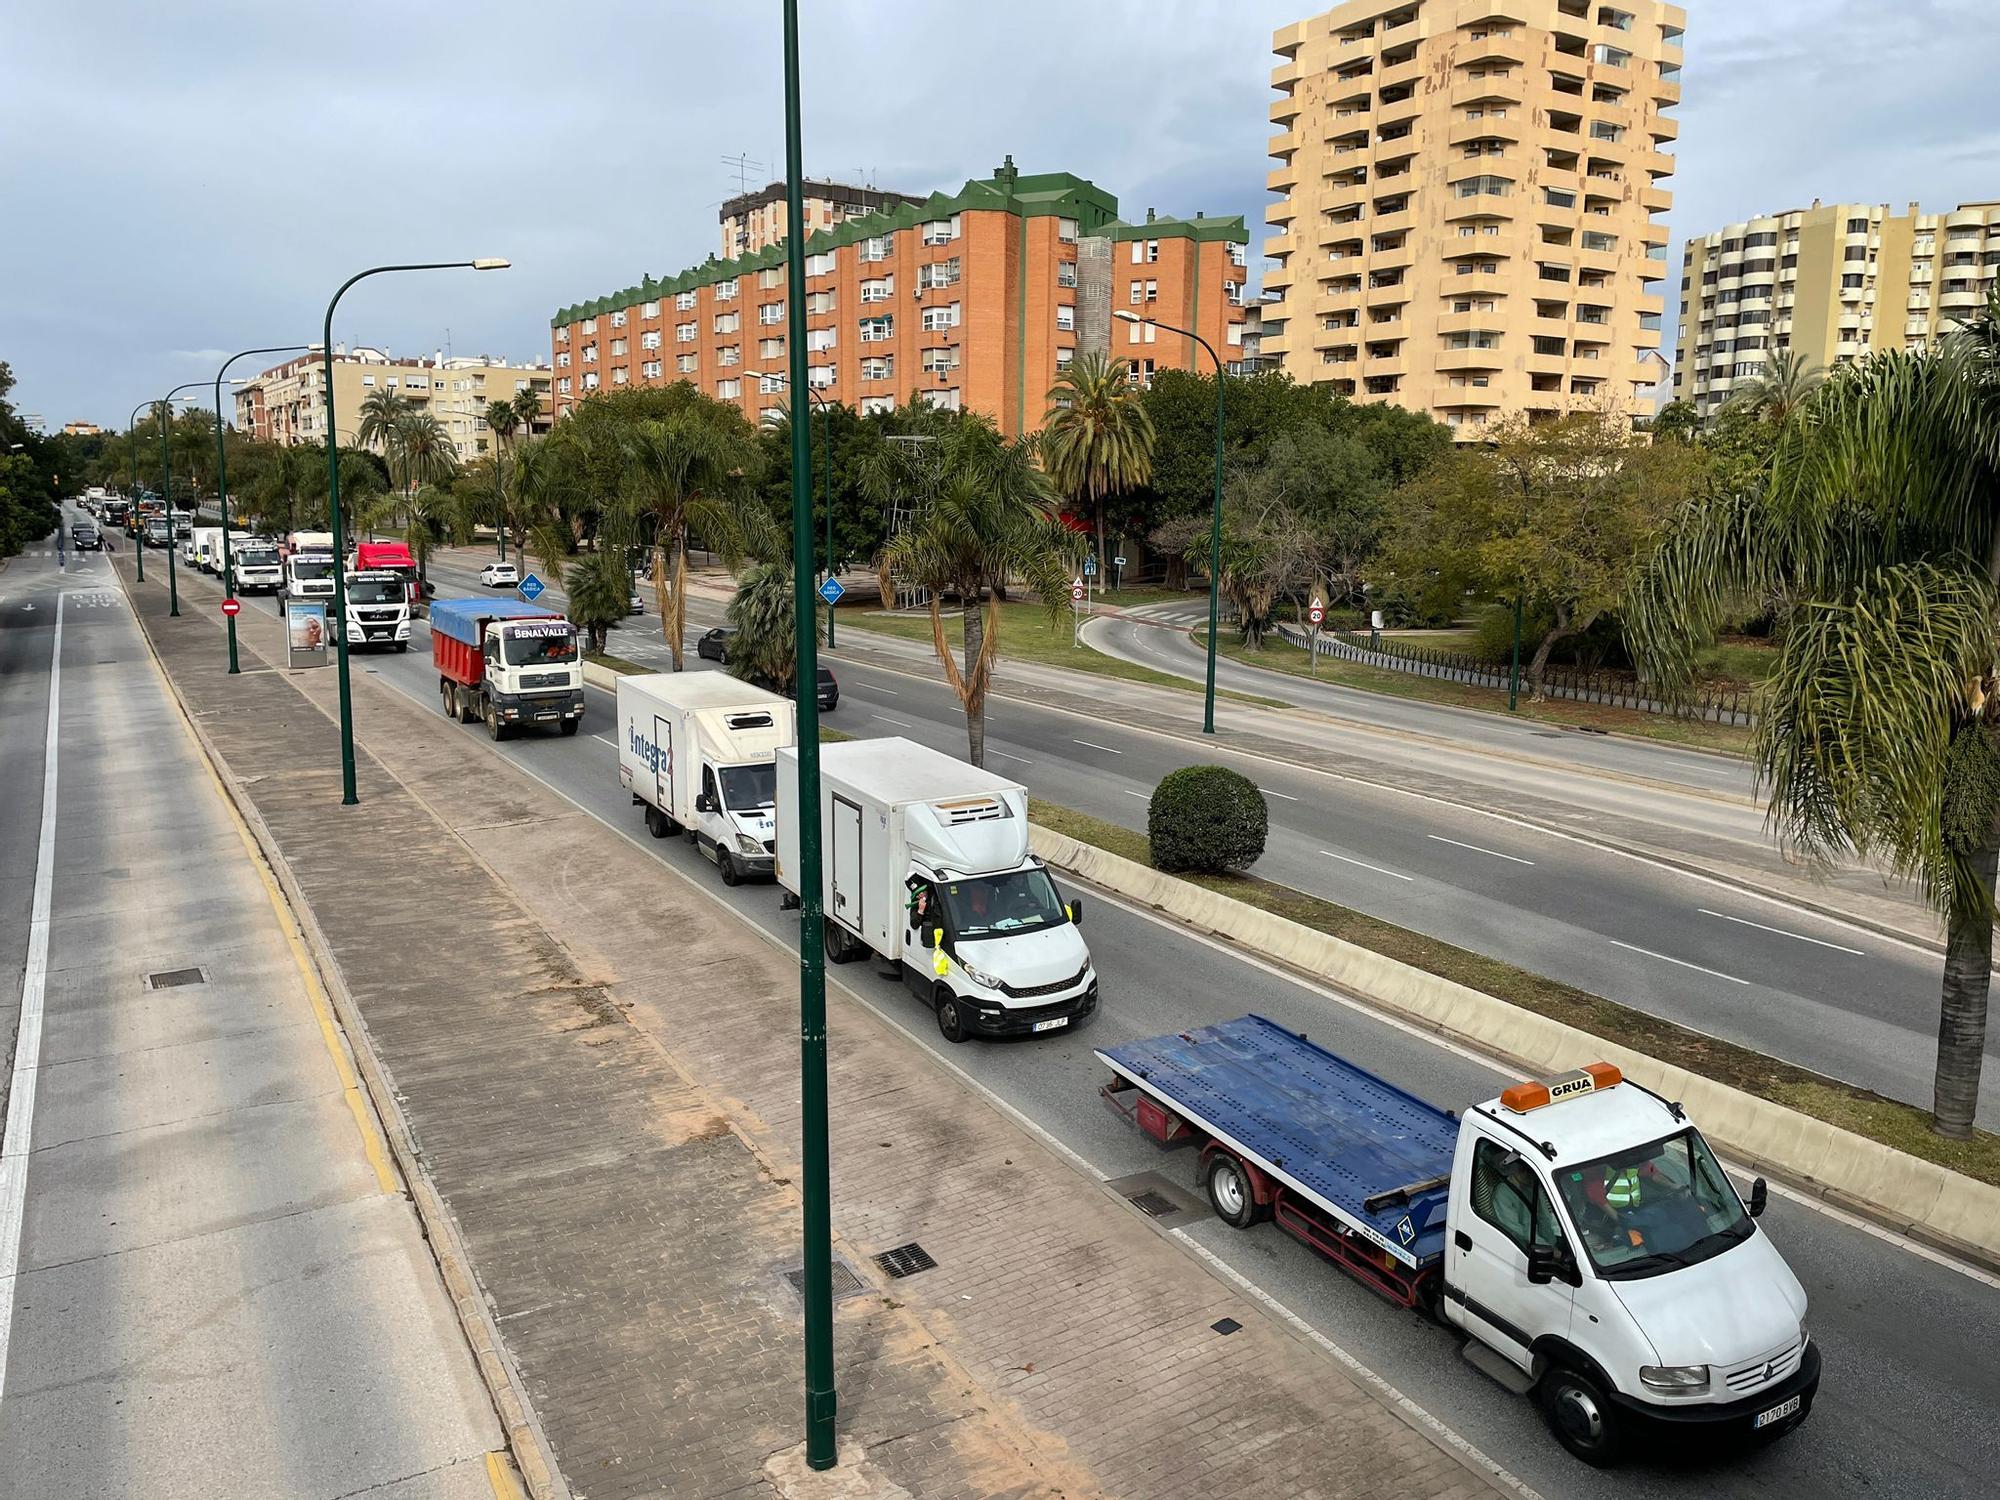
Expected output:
(829, 689)
(714, 645)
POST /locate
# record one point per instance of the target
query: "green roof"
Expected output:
(1032, 196)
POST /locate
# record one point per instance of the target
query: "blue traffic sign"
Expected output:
(1090, 567)
(831, 591)
(532, 588)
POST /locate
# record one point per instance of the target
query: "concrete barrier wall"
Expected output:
(1929, 1201)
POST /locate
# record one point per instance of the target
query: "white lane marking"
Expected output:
(887, 720)
(1005, 756)
(1130, 793)
(1669, 959)
(1287, 796)
(1376, 868)
(890, 691)
(1089, 746)
(1781, 932)
(17, 1137)
(1478, 849)
(606, 739)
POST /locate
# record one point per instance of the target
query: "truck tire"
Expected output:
(402, 645)
(1581, 1417)
(570, 726)
(469, 711)
(658, 824)
(725, 866)
(950, 1014)
(1229, 1191)
(495, 730)
(447, 698)
(839, 948)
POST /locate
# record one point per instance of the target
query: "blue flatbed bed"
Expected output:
(1369, 1156)
(464, 620)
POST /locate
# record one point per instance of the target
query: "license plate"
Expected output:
(544, 718)
(1776, 1413)
(1054, 1023)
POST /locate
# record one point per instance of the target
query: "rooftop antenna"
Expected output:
(744, 165)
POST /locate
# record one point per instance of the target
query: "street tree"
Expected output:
(1096, 440)
(600, 592)
(764, 649)
(1783, 392)
(1879, 729)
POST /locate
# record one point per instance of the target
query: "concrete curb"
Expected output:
(525, 1440)
(1928, 1202)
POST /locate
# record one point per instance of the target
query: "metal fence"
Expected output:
(1577, 684)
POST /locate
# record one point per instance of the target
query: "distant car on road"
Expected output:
(715, 644)
(85, 537)
(499, 575)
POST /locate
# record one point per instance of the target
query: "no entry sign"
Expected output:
(232, 607)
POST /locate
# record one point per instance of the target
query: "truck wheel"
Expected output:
(1582, 1420)
(950, 1015)
(570, 726)
(657, 823)
(402, 645)
(839, 948)
(495, 730)
(448, 700)
(726, 868)
(1229, 1192)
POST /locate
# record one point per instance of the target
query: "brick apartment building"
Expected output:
(972, 301)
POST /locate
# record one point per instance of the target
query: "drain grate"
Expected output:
(845, 1282)
(168, 979)
(1225, 1325)
(1154, 1205)
(905, 1260)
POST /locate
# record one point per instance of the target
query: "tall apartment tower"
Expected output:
(1469, 199)
(1829, 283)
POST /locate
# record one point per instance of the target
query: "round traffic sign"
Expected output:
(1316, 615)
(1076, 593)
(232, 607)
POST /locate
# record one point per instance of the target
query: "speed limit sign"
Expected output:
(1317, 613)
(1076, 591)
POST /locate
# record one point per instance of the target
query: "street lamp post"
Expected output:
(222, 479)
(1215, 524)
(167, 484)
(825, 481)
(347, 795)
(818, 1220)
(139, 535)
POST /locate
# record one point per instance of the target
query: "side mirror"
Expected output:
(1076, 910)
(1547, 1265)
(1760, 1198)
(703, 802)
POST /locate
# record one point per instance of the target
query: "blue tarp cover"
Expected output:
(463, 619)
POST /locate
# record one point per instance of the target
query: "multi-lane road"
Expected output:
(1910, 1384)
(1793, 984)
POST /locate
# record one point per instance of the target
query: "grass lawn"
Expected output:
(1738, 661)
(1026, 634)
(1465, 642)
(616, 663)
(1555, 711)
(1902, 1126)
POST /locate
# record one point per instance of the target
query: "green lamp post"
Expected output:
(825, 482)
(167, 486)
(222, 479)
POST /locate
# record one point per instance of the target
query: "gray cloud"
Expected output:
(198, 178)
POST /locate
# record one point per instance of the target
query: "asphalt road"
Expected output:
(210, 1287)
(1790, 983)
(1910, 1385)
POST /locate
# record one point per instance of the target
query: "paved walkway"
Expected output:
(597, 1066)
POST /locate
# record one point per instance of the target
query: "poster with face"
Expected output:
(305, 633)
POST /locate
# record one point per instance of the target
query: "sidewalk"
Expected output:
(596, 1066)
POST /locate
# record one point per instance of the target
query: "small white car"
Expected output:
(499, 575)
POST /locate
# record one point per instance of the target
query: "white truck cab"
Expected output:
(1599, 1254)
(378, 611)
(309, 575)
(256, 567)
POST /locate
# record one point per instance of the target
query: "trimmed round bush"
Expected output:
(1206, 819)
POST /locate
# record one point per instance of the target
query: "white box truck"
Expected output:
(926, 864)
(203, 549)
(696, 750)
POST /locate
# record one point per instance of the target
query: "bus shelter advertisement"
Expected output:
(305, 633)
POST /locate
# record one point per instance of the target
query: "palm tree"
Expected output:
(685, 473)
(1880, 729)
(430, 524)
(1097, 439)
(1783, 391)
(983, 512)
(763, 650)
(600, 591)
(527, 408)
(501, 419)
(544, 474)
(382, 412)
(423, 449)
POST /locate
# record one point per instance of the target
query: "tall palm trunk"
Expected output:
(1103, 558)
(975, 685)
(1968, 974)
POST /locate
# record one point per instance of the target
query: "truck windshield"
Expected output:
(539, 649)
(312, 567)
(749, 788)
(986, 906)
(376, 591)
(255, 557)
(1653, 1209)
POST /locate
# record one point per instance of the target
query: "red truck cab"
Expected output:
(387, 557)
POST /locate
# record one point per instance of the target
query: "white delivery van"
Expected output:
(256, 566)
(203, 548)
(926, 864)
(696, 749)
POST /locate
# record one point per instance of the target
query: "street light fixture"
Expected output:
(167, 489)
(222, 477)
(826, 478)
(1215, 524)
(490, 263)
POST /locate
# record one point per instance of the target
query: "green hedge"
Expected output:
(1208, 819)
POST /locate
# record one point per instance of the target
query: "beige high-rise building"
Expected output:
(1470, 191)
(1830, 283)
(750, 221)
(287, 404)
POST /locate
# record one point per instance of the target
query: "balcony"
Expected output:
(1285, 110)
(1510, 90)
(1464, 132)
(1398, 112)
(1401, 257)
(1664, 128)
(1385, 369)
(1285, 74)
(1656, 200)
(1281, 180)
(1501, 49)
(1961, 301)
(1411, 72)
(1449, 360)
(1398, 222)
(1472, 322)
(1348, 119)
(1329, 303)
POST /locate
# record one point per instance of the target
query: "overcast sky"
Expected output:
(178, 182)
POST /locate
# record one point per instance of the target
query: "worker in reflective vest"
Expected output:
(1621, 1191)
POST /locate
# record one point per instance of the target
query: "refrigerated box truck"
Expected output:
(698, 751)
(509, 663)
(926, 865)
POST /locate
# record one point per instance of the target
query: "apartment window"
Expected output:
(1066, 357)
(771, 276)
(617, 346)
(1543, 344)
(1065, 318)
(879, 367)
(1854, 252)
(935, 361)
(590, 380)
(724, 290)
(819, 303)
(819, 377)
(819, 265)
(729, 354)
(619, 376)
(684, 364)
(878, 330)
(618, 319)
(684, 333)
(770, 312)
(1591, 312)
(589, 356)
(1066, 273)
(771, 349)
(769, 385)
(650, 369)
(650, 339)
(562, 335)
(941, 231)
(1857, 226)
(562, 363)
(1601, 130)
(1474, 187)
(1592, 240)
(1140, 333)
(729, 322)
(650, 310)
(876, 248)
(1611, 57)
(819, 340)
(1238, 255)
(590, 325)
(941, 317)
(1480, 340)
(1066, 231)
(880, 289)
(1145, 252)
(1145, 291)
(563, 385)
(729, 390)
(941, 273)
(1852, 281)
(873, 405)
(684, 301)
(1557, 198)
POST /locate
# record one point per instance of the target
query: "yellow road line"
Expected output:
(500, 1474)
(373, 1146)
